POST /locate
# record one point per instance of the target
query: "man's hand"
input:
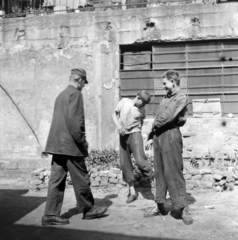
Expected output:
(148, 144)
(85, 145)
(121, 131)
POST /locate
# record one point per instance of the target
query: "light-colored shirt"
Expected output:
(130, 117)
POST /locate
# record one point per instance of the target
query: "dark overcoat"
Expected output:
(67, 131)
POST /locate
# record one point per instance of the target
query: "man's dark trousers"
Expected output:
(80, 179)
(133, 143)
(168, 164)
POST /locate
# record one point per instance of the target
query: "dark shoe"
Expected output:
(131, 198)
(53, 220)
(187, 219)
(162, 209)
(152, 213)
(94, 212)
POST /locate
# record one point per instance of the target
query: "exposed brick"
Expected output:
(227, 174)
(119, 176)
(97, 179)
(219, 172)
(198, 183)
(113, 180)
(236, 183)
(208, 171)
(103, 173)
(104, 183)
(230, 179)
(197, 177)
(187, 176)
(104, 179)
(118, 185)
(208, 177)
(36, 182)
(202, 171)
(93, 170)
(217, 176)
(112, 175)
(115, 170)
(222, 182)
(94, 174)
(207, 184)
(95, 184)
(194, 172)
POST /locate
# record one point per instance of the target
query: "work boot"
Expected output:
(94, 212)
(162, 209)
(131, 198)
(187, 219)
(53, 220)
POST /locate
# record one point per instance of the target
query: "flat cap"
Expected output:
(81, 72)
(144, 96)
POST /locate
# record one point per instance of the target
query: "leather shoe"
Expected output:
(53, 220)
(131, 198)
(187, 219)
(94, 212)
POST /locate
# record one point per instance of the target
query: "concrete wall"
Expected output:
(37, 53)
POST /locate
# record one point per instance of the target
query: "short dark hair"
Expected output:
(172, 75)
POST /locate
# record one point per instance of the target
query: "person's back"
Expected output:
(60, 139)
(130, 116)
(67, 143)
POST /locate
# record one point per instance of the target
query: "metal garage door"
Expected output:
(208, 69)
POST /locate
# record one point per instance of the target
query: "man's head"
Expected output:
(143, 98)
(171, 81)
(78, 78)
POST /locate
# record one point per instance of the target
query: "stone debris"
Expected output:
(196, 178)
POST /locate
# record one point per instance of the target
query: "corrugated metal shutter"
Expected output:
(136, 75)
(208, 69)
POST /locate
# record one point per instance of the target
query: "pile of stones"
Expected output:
(211, 178)
(99, 179)
(207, 178)
(111, 178)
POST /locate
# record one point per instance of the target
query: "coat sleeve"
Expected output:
(170, 113)
(76, 122)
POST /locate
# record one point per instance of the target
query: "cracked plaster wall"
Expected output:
(37, 53)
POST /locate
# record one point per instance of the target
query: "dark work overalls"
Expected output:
(167, 141)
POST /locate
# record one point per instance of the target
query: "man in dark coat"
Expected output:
(67, 143)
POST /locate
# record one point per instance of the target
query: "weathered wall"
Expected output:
(36, 55)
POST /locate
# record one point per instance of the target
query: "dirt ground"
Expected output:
(215, 217)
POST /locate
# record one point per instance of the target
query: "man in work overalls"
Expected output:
(167, 141)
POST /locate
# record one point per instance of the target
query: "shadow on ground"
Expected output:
(14, 206)
(105, 202)
(20, 232)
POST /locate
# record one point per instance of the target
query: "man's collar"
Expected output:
(171, 95)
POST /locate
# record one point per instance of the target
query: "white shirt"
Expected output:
(130, 117)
